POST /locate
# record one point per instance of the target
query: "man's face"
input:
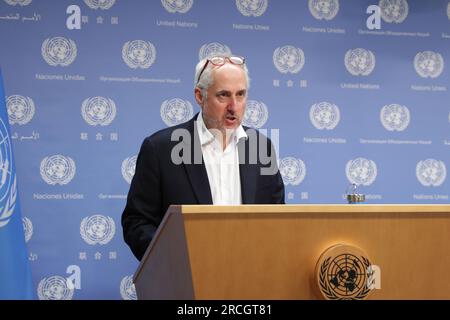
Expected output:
(224, 106)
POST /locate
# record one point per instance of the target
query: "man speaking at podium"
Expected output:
(210, 159)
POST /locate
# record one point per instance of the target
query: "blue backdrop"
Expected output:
(347, 97)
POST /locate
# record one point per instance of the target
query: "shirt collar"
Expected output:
(206, 136)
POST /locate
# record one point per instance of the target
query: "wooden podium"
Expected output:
(271, 251)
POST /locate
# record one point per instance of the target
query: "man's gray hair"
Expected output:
(206, 79)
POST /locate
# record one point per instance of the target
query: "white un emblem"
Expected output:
(429, 64)
(8, 190)
(361, 171)
(180, 6)
(359, 62)
(292, 170)
(431, 172)
(128, 168)
(176, 111)
(288, 59)
(324, 115)
(100, 4)
(27, 228)
(213, 49)
(18, 2)
(324, 9)
(254, 8)
(20, 109)
(54, 288)
(97, 229)
(127, 289)
(57, 169)
(59, 51)
(448, 11)
(393, 10)
(256, 114)
(98, 111)
(395, 117)
(139, 54)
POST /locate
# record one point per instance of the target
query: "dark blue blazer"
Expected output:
(159, 183)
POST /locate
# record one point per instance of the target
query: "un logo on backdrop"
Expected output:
(213, 49)
(176, 111)
(100, 4)
(361, 171)
(393, 10)
(54, 288)
(359, 62)
(97, 229)
(18, 2)
(27, 228)
(139, 54)
(180, 6)
(127, 288)
(98, 111)
(20, 109)
(256, 114)
(292, 170)
(429, 64)
(57, 169)
(431, 172)
(394, 117)
(288, 59)
(323, 9)
(8, 190)
(448, 10)
(59, 51)
(324, 115)
(254, 8)
(129, 168)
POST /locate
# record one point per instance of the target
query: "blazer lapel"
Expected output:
(247, 172)
(196, 170)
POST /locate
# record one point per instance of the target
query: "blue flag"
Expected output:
(15, 274)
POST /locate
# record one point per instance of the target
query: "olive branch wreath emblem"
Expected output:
(328, 291)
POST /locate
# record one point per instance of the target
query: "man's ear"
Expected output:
(199, 96)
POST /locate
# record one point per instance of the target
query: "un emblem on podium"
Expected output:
(344, 272)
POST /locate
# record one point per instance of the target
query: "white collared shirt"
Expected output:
(222, 166)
